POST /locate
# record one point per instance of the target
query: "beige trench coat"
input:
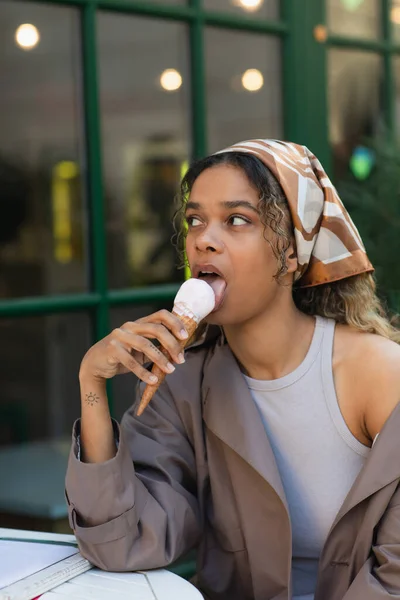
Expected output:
(205, 476)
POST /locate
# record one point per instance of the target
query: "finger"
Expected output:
(162, 334)
(169, 320)
(122, 355)
(144, 345)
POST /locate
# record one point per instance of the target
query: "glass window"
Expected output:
(354, 96)
(145, 99)
(244, 96)
(366, 167)
(396, 67)
(355, 18)
(42, 249)
(265, 9)
(39, 368)
(395, 19)
(40, 400)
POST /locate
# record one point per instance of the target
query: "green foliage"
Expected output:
(374, 205)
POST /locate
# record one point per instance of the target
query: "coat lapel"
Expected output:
(232, 415)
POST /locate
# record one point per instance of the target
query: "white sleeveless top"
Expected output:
(317, 456)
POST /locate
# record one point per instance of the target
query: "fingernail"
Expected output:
(153, 378)
(184, 334)
(170, 367)
(181, 358)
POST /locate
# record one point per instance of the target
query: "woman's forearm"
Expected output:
(97, 435)
(125, 350)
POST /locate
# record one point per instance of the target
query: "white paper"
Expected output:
(21, 559)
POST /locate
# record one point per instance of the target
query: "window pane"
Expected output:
(265, 9)
(355, 112)
(396, 66)
(39, 402)
(395, 19)
(42, 248)
(39, 368)
(355, 18)
(366, 168)
(145, 122)
(124, 386)
(244, 96)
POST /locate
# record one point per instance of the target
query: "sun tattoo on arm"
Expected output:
(91, 399)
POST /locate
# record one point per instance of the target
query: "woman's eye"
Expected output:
(193, 221)
(236, 220)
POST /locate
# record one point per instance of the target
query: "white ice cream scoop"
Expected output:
(195, 296)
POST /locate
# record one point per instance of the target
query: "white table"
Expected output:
(102, 585)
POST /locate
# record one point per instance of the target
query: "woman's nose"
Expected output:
(209, 241)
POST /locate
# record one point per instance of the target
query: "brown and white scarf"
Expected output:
(329, 246)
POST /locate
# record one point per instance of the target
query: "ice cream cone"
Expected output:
(194, 301)
(190, 325)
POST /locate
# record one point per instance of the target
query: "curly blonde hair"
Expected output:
(352, 301)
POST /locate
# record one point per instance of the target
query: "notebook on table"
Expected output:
(29, 568)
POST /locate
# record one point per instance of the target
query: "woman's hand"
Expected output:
(127, 348)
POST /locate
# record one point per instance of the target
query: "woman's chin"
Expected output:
(216, 317)
(222, 316)
(213, 319)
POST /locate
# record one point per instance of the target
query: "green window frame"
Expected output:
(305, 119)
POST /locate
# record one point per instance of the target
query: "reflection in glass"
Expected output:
(354, 94)
(366, 164)
(244, 96)
(145, 91)
(396, 66)
(41, 184)
(27, 36)
(395, 19)
(354, 18)
(256, 9)
(39, 368)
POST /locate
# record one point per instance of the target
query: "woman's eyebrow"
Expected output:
(193, 205)
(240, 204)
(228, 204)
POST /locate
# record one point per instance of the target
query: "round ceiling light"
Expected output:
(171, 80)
(27, 36)
(252, 80)
(250, 5)
(395, 15)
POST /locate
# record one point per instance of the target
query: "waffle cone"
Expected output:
(190, 325)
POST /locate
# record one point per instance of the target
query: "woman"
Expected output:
(258, 449)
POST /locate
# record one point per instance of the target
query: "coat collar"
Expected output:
(232, 415)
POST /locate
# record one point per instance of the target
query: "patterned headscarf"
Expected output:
(328, 244)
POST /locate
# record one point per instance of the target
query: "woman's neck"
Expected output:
(273, 344)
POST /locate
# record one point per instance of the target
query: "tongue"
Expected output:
(219, 286)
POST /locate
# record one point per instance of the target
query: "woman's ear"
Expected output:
(291, 258)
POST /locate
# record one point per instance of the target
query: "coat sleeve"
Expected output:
(138, 510)
(379, 578)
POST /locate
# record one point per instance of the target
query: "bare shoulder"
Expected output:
(369, 366)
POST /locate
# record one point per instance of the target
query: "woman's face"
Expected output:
(226, 237)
